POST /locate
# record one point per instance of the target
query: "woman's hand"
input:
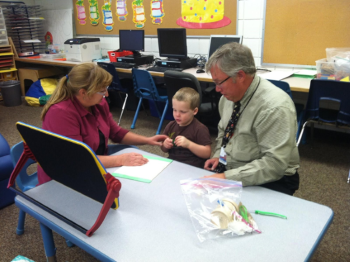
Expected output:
(156, 140)
(182, 141)
(211, 164)
(132, 159)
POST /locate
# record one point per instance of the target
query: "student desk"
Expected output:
(296, 84)
(153, 224)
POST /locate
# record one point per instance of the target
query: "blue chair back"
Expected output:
(23, 180)
(116, 84)
(331, 90)
(283, 85)
(145, 87)
(298, 107)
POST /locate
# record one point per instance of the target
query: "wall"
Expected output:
(250, 25)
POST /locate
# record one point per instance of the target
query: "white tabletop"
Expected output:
(153, 224)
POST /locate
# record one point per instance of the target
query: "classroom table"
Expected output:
(153, 223)
(296, 84)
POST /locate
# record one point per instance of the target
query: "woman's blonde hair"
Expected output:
(88, 76)
(189, 95)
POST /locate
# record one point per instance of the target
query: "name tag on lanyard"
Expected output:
(222, 158)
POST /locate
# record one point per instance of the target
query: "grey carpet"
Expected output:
(324, 169)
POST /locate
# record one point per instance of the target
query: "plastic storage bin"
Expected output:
(325, 69)
(11, 93)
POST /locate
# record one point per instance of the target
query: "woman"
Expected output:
(77, 109)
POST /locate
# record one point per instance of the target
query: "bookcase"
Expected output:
(8, 70)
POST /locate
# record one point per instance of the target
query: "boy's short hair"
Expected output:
(189, 95)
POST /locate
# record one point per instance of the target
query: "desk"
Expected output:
(296, 84)
(153, 224)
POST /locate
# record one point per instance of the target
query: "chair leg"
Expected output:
(49, 244)
(312, 133)
(20, 225)
(121, 114)
(136, 114)
(69, 244)
(163, 116)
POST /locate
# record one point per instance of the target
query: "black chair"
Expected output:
(207, 111)
(116, 84)
(332, 92)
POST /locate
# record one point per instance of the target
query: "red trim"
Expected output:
(26, 154)
(113, 188)
(224, 22)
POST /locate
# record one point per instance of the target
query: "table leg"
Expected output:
(49, 244)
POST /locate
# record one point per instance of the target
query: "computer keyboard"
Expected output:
(123, 65)
(163, 69)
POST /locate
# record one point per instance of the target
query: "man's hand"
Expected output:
(182, 141)
(211, 164)
(217, 175)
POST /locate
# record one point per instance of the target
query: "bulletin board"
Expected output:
(299, 31)
(171, 9)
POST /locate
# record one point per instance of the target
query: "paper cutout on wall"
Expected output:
(203, 14)
(138, 10)
(81, 16)
(157, 11)
(94, 14)
(122, 11)
(107, 15)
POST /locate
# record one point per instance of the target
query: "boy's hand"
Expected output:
(182, 141)
(168, 143)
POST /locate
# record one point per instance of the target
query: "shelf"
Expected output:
(3, 54)
(8, 70)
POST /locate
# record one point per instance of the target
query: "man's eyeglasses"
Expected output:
(103, 92)
(223, 81)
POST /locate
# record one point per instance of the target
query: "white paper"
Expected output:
(276, 75)
(306, 72)
(145, 173)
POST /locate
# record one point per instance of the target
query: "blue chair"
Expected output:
(24, 183)
(7, 196)
(145, 88)
(116, 84)
(329, 91)
(298, 107)
(23, 180)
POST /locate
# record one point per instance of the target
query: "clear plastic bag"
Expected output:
(215, 209)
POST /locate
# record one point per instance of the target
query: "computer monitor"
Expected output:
(132, 40)
(218, 40)
(172, 43)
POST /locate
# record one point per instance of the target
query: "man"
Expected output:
(256, 143)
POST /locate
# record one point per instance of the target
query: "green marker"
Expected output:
(269, 214)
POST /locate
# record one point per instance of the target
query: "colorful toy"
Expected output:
(203, 14)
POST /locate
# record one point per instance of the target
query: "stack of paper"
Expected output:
(276, 75)
(145, 173)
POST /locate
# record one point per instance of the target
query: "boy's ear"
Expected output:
(195, 111)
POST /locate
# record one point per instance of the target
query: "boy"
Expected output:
(189, 140)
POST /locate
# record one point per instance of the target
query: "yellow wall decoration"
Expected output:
(139, 17)
(203, 14)
(157, 11)
(122, 11)
(81, 15)
(94, 14)
(107, 15)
